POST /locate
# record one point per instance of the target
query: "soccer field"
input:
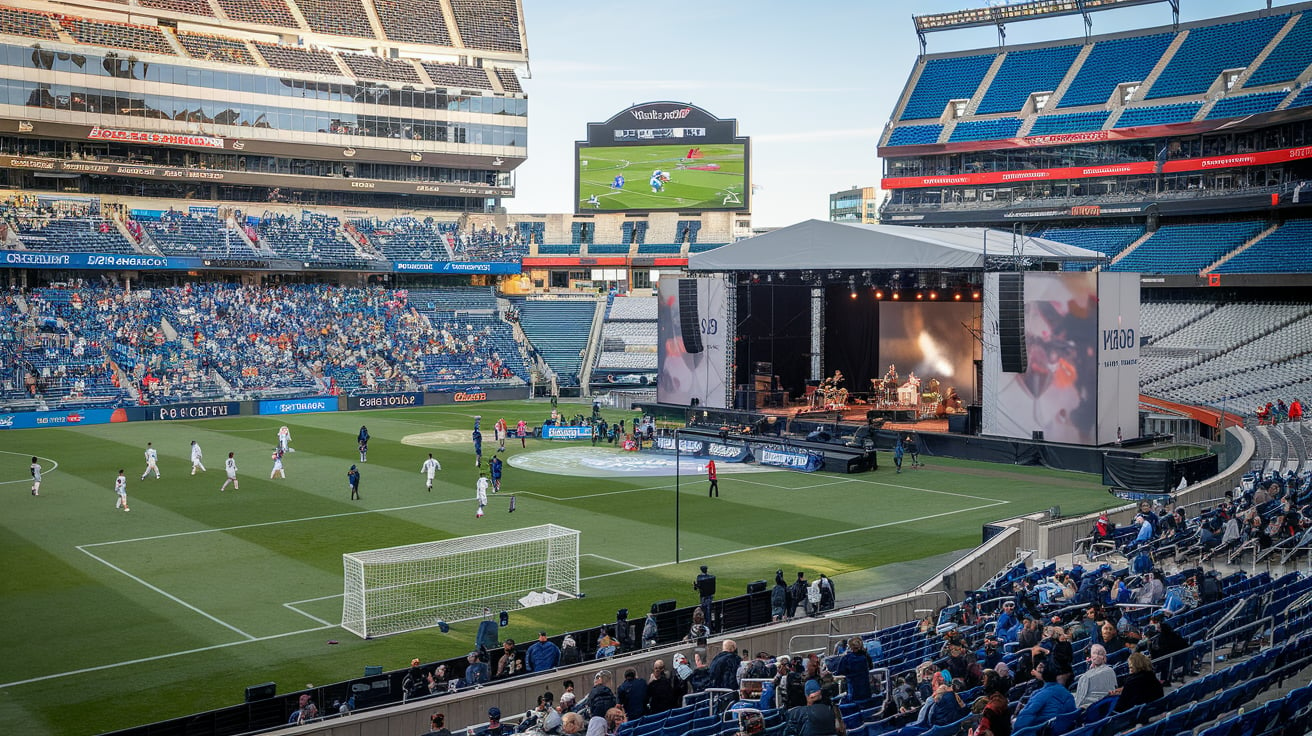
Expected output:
(714, 181)
(117, 619)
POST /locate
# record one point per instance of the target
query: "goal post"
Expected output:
(388, 591)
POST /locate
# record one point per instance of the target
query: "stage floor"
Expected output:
(897, 417)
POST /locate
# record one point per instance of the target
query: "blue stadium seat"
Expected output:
(914, 135)
(945, 79)
(1023, 73)
(1077, 122)
(1107, 240)
(1284, 250)
(985, 130)
(1240, 105)
(1289, 58)
(1303, 99)
(1159, 114)
(1209, 50)
(1111, 63)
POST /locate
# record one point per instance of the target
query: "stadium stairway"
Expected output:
(1066, 83)
(977, 97)
(1152, 77)
(1242, 247)
(1127, 250)
(1258, 60)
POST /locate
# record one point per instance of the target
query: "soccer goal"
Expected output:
(387, 591)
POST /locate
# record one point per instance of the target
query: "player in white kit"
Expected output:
(195, 458)
(277, 465)
(121, 488)
(36, 478)
(429, 469)
(230, 467)
(284, 439)
(480, 492)
(152, 462)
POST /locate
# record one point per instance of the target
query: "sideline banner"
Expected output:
(792, 459)
(34, 419)
(46, 259)
(384, 401)
(557, 432)
(723, 452)
(193, 411)
(298, 406)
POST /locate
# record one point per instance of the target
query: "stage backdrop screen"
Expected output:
(1081, 383)
(931, 340)
(692, 324)
(679, 176)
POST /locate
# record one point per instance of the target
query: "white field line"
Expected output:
(165, 593)
(53, 466)
(290, 607)
(292, 604)
(617, 562)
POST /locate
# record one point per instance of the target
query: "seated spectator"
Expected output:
(476, 671)
(543, 655)
(995, 718)
(1052, 700)
(1140, 686)
(494, 725)
(510, 663)
(1097, 681)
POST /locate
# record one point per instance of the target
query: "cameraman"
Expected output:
(705, 587)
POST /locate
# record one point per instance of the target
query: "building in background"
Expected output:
(856, 205)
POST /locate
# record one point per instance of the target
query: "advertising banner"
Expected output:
(1118, 357)
(554, 432)
(34, 419)
(723, 452)
(384, 401)
(193, 411)
(509, 267)
(298, 406)
(471, 394)
(35, 259)
(791, 459)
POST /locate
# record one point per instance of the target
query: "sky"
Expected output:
(812, 84)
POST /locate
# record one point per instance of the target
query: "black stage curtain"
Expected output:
(852, 336)
(774, 326)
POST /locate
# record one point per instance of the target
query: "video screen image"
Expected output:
(662, 177)
(932, 341)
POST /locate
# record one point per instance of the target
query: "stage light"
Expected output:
(975, 295)
(896, 296)
(933, 295)
(853, 294)
(879, 294)
(957, 296)
(920, 295)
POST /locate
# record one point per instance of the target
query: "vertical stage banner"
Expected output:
(1118, 357)
(692, 330)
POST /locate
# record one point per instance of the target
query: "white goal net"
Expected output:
(387, 591)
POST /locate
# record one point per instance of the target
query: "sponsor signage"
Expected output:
(793, 459)
(509, 267)
(556, 432)
(194, 411)
(36, 419)
(720, 451)
(1260, 158)
(175, 173)
(298, 406)
(35, 259)
(384, 401)
(470, 394)
(160, 139)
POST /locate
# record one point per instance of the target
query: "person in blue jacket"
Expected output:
(543, 655)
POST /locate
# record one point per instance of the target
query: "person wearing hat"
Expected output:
(494, 726)
(819, 717)
(543, 655)
(353, 481)
(476, 672)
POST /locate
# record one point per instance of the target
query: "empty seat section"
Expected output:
(1076, 122)
(1209, 50)
(1289, 58)
(1237, 106)
(1285, 250)
(1106, 240)
(1159, 114)
(559, 329)
(915, 135)
(985, 130)
(1023, 73)
(1187, 248)
(941, 80)
(1112, 63)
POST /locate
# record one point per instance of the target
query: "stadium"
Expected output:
(225, 224)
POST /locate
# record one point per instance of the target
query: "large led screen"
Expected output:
(691, 342)
(931, 340)
(687, 176)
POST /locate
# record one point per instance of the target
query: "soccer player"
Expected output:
(657, 182)
(521, 431)
(480, 493)
(36, 477)
(618, 182)
(195, 458)
(501, 431)
(429, 469)
(230, 467)
(284, 439)
(477, 436)
(363, 440)
(594, 202)
(494, 465)
(152, 462)
(277, 465)
(121, 488)
(353, 482)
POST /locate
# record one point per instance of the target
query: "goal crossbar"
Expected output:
(408, 587)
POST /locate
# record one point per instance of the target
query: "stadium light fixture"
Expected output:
(879, 293)
(933, 295)
(975, 296)
(896, 296)
(920, 295)
(956, 296)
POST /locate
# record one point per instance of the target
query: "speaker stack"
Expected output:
(1011, 322)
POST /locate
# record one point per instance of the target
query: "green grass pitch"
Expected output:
(117, 619)
(720, 185)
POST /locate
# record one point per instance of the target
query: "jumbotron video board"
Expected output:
(661, 156)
